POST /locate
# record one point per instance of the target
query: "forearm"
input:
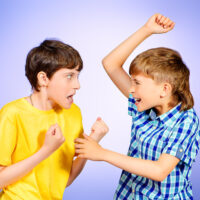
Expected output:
(79, 163)
(146, 168)
(156, 170)
(119, 55)
(77, 166)
(14, 172)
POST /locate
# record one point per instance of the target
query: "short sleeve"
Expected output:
(184, 141)
(8, 134)
(132, 109)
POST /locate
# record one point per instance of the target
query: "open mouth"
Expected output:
(137, 101)
(70, 98)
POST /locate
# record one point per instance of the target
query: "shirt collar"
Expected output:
(167, 118)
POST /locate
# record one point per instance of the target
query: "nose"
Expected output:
(77, 84)
(132, 89)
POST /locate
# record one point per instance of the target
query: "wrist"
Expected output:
(95, 137)
(104, 154)
(44, 151)
(147, 30)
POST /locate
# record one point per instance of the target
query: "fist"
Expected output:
(53, 138)
(99, 129)
(159, 24)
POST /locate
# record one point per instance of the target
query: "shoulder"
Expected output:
(189, 117)
(11, 108)
(188, 123)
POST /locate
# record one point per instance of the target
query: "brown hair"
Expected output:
(166, 65)
(50, 56)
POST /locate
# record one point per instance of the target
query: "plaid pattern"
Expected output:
(175, 133)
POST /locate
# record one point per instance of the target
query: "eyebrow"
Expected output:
(135, 79)
(71, 73)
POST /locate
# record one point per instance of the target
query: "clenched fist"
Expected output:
(53, 138)
(159, 24)
(99, 129)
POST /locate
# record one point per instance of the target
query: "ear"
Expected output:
(166, 90)
(43, 80)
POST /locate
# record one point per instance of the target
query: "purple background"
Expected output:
(94, 28)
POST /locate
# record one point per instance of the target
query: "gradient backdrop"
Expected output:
(94, 28)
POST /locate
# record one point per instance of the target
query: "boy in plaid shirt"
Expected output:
(165, 128)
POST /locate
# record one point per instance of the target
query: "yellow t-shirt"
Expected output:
(22, 132)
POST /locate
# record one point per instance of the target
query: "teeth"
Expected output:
(137, 99)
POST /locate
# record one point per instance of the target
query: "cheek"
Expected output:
(60, 85)
(144, 90)
(148, 92)
(55, 88)
(157, 91)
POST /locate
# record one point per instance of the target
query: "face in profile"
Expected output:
(63, 86)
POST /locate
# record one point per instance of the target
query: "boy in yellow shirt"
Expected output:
(37, 132)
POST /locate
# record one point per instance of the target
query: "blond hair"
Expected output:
(166, 65)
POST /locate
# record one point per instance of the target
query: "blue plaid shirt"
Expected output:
(175, 133)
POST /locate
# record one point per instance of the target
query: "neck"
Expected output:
(165, 106)
(40, 100)
(162, 109)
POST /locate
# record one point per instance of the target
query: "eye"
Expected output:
(137, 83)
(69, 76)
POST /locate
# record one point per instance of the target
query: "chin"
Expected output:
(67, 106)
(142, 109)
(139, 109)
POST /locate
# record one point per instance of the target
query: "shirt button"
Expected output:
(133, 190)
(181, 150)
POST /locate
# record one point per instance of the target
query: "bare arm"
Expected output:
(77, 166)
(98, 131)
(114, 61)
(155, 170)
(113, 65)
(12, 173)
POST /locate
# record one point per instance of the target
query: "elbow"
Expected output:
(104, 63)
(107, 66)
(1, 184)
(161, 175)
(70, 180)
(69, 183)
(3, 181)
(3, 177)
(160, 178)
